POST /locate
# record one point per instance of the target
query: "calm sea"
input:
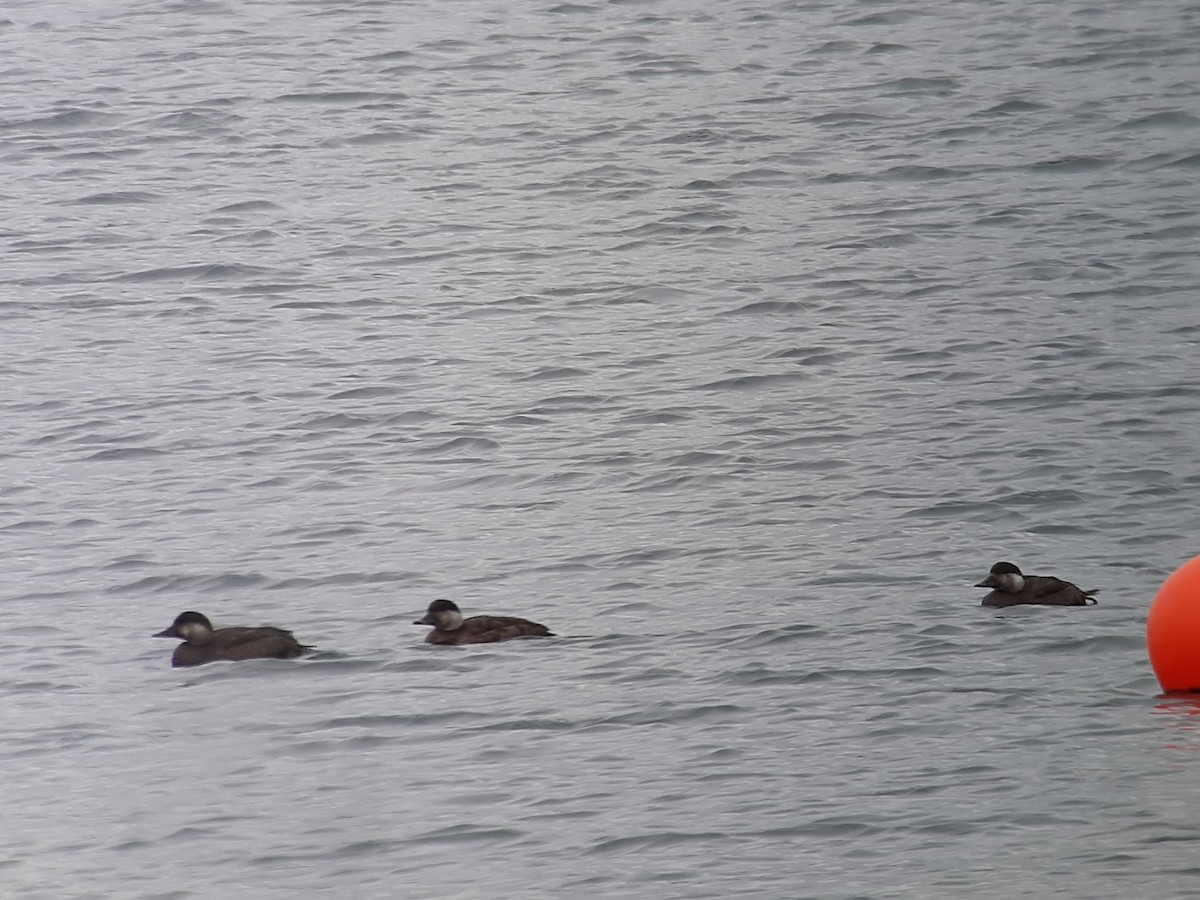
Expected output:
(733, 341)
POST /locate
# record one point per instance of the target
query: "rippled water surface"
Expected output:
(733, 341)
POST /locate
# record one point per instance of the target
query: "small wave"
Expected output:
(654, 840)
(460, 445)
(554, 373)
(918, 86)
(118, 198)
(366, 393)
(125, 453)
(209, 272)
(1072, 164)
(465, 834)
(1167, 119)
(752, 382)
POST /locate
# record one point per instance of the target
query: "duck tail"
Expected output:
(1088, 597)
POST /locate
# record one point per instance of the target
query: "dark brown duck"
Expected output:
(202, 644)
(449, 626)
(1011, 588)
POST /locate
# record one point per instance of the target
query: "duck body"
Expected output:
(449, 626)
(1012, 588)
(204, 644)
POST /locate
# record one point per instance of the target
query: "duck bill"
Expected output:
(427, 620)
(990, 581)
(168, 632)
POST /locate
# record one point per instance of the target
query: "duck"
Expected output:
(449, 626)
(1011, 588)
(204, 644)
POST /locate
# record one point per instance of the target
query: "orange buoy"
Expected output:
(1173, 630)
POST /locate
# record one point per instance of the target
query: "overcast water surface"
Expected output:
(733, 341)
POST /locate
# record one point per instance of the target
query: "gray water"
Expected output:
(733, 341)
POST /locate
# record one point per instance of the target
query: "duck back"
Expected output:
(1042, 590)
(488, 630)
(233, 644)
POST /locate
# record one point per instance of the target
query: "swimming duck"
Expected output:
(449, 626)
(201, 644)
(1010, 588)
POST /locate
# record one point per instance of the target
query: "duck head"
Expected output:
(442, 615)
